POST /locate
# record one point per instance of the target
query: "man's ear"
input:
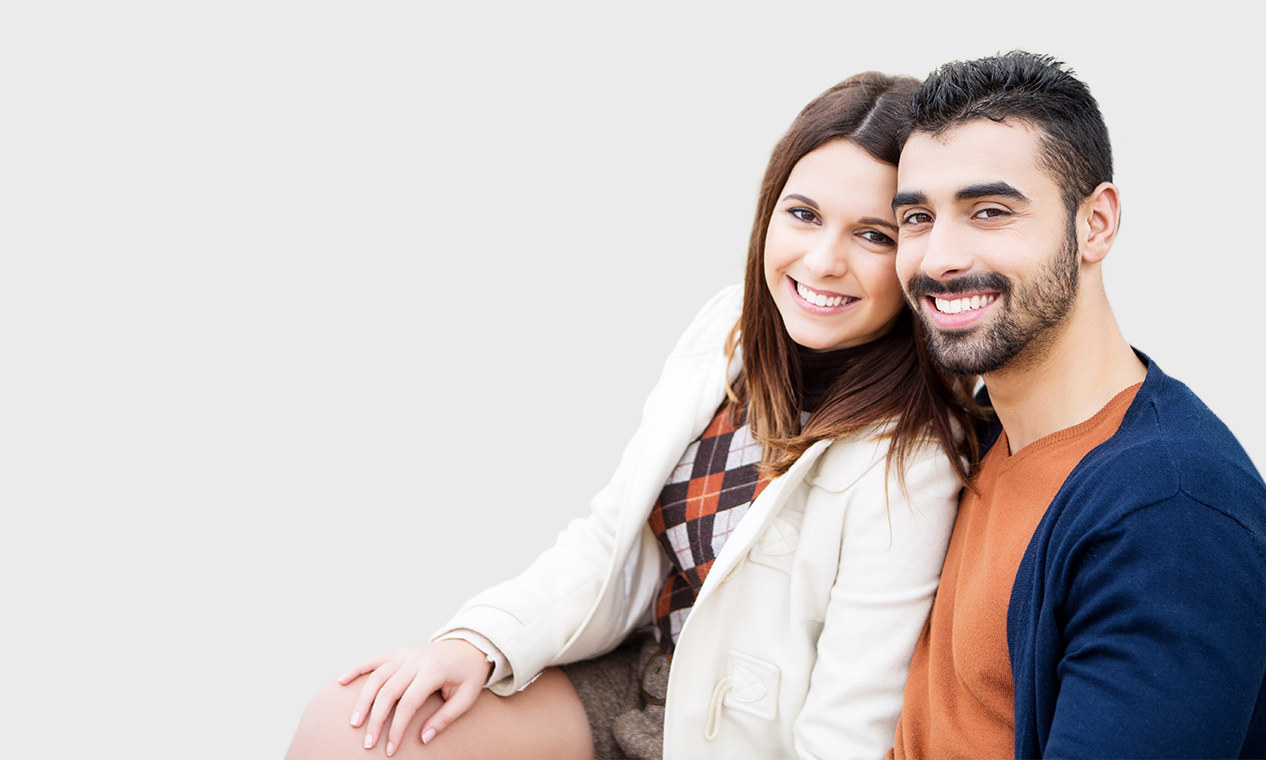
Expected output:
(1098, 220)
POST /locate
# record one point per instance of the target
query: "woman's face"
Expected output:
(830, 252)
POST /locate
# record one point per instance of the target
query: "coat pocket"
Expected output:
(750, 687)
(777, 545)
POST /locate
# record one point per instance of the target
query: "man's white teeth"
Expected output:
(817, 299)
(959, 305)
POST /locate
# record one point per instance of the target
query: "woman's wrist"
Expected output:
(498, 665)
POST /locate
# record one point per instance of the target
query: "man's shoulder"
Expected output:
(1170, 445)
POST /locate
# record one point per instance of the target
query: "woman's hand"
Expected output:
(405, 678)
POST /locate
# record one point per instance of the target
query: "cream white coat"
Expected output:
(800, 639)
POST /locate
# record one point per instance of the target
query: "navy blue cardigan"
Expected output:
(1137, 622)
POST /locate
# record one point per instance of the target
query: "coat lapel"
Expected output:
(759, 515)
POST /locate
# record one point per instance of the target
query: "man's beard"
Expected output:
(1027, 318)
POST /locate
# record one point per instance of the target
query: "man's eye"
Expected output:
(916, 217)
(804, 215)
(992, 213)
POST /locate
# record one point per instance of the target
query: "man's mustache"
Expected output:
(921, 285)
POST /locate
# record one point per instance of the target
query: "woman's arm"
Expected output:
(536, 616)
(531, 619)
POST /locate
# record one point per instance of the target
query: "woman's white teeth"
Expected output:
(817, 299)
(959, 305)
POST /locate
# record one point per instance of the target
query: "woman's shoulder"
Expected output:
(847, 460)
(712, 325)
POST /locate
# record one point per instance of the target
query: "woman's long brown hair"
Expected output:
(891, 378)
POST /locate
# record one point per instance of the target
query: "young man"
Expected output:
(1104, 591)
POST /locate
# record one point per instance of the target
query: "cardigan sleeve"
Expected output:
(893, 545)
(1163, 650)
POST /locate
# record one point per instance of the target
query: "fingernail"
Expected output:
(390, 748)
(356, 719)
(369, 741)
(428, 736)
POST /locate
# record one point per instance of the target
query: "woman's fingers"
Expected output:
(403, 680)
(365, 667)
(410, 702)
(387, 696)
(369, 692)
(455, 704)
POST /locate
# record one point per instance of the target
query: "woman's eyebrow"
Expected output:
(801, 198)
(878, 222)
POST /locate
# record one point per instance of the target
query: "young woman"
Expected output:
(752, 581)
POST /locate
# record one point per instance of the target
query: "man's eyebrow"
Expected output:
(908, 199)
(969, 193)
(991, 190)
(801, 198)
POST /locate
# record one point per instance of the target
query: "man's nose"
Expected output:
(946, 252)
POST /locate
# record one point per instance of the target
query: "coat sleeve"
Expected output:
(533, 618)
(893, 545)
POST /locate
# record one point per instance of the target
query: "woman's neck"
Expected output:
(819, 370)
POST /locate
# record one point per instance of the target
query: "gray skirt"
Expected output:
(623, 693)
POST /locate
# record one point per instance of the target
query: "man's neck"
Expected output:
(1065, 382)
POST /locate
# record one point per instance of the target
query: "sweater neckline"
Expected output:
(1124, 397)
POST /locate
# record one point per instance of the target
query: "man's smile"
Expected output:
(962, 303)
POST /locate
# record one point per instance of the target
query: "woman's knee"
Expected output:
(545, 720)
(319, 719)
(325, 729)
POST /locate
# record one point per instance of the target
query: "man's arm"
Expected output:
(1164, 637)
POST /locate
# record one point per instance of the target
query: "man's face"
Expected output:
(987, 254)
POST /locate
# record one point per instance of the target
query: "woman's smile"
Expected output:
(821, 301)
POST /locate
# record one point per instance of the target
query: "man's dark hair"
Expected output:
(1018, 86)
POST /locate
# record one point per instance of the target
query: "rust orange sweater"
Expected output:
(959, 699)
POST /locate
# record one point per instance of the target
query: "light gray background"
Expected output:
(316, 318)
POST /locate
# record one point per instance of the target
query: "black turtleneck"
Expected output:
(819, 369)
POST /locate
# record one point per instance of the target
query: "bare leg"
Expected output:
(545, 720)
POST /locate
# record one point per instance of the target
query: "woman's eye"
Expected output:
(804, 215)
(876, 236)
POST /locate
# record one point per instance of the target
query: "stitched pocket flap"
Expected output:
(777, 545)
(753, 686)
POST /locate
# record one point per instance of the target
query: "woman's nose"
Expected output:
(828, 256)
